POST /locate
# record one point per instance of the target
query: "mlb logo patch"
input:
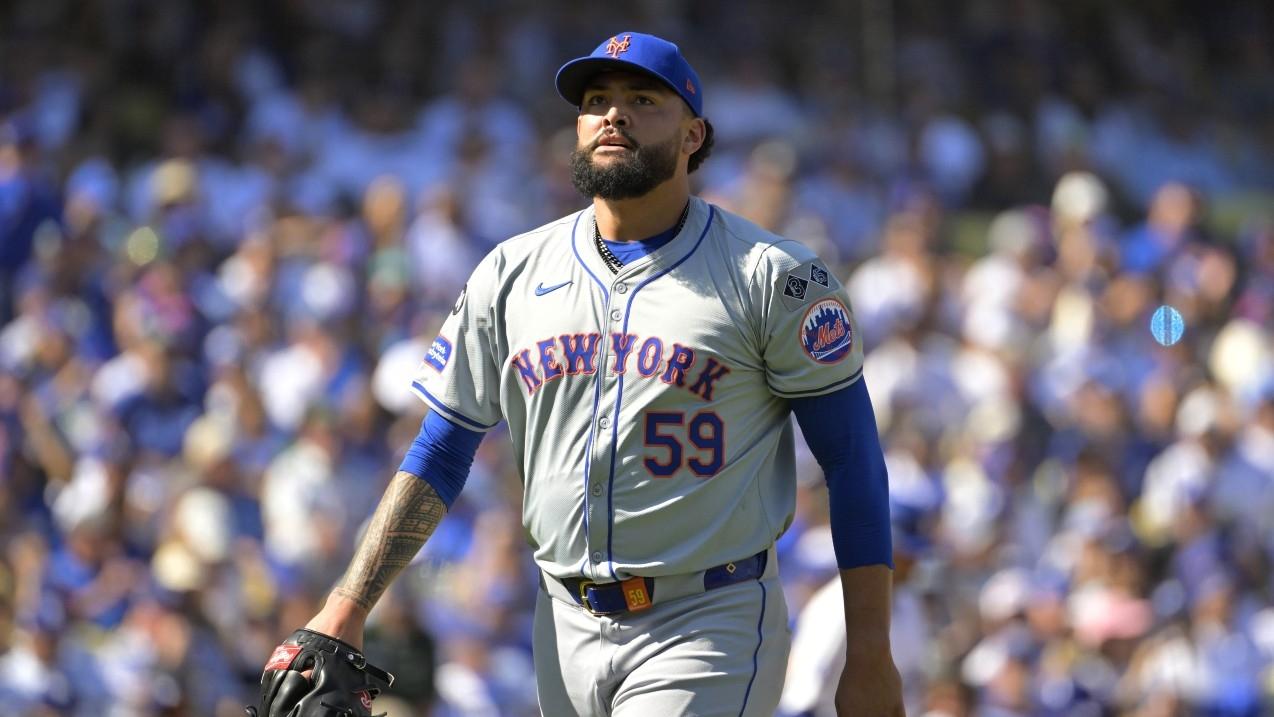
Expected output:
(826, 335)
(439, 354)
(796, 287)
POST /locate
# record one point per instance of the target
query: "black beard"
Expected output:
(649, 166)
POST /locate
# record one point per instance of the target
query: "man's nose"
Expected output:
(614, 116)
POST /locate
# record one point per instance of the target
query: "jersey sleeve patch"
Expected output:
(826, 332)
(805, 283)
(819, 275)
(464, 292)
(796, 287)
(439, 354)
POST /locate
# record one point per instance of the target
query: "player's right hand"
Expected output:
(871, 688)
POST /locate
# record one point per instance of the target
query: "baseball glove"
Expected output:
(340, 684)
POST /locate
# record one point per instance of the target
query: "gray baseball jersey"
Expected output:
(647, 409)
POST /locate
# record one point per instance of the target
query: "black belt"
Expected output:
(639, 593)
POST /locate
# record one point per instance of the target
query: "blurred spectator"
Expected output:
(1174, 215)
(28, 202)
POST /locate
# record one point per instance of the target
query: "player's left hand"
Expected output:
(317, 675)
(870, 688)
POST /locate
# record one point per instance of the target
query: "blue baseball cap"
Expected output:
(633, 51)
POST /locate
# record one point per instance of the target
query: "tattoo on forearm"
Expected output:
(406, 517)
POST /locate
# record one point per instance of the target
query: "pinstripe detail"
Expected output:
(580, 259)
(824, 389)
(597, 388)
(760, 636)
(449, 413)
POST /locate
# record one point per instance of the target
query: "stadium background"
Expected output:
(228, 229)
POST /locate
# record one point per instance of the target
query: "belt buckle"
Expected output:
(584, 585)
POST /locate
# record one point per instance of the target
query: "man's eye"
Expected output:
(645, 100)
(594, 100)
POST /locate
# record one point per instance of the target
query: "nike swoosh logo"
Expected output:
(541, 290)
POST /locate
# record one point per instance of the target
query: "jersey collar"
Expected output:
(666, 255)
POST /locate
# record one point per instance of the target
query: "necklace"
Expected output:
(608, 257)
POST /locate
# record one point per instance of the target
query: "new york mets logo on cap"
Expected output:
(826, 335)
(616, 47)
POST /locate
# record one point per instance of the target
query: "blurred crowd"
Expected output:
(229, 230)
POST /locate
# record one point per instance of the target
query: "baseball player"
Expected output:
(646, 354)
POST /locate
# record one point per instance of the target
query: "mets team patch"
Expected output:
(439, 354)
(826, 335)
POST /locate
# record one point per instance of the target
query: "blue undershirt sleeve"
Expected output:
(441, 455)
(840, 429)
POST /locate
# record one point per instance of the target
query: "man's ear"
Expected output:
(695, 133)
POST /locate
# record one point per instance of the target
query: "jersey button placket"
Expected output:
(597, 511)
(597, 529)
(621, 288)
(598, 523)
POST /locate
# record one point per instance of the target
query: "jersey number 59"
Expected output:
(704, 431)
